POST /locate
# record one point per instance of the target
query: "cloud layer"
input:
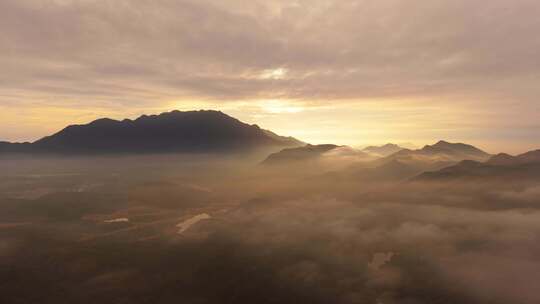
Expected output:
(105, 56)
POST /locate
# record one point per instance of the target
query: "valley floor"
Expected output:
(209, 231)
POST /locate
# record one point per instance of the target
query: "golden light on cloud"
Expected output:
(276, 74)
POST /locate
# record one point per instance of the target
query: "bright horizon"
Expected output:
(314, 137)
(354, 73)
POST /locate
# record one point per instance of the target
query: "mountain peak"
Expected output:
(383, 150)
(456, 149)
(502, 165)
(531, 156)
(442, 143)
(501, 159)
(305, 153)
(169, 132)
(104, 122)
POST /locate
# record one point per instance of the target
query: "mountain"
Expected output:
(383, 151)
(305, 153)
(508, 160)
(440, 154)
(456, 150)
(501, 159)
(406, 163)
(500, 166)
(170, 132)
(7, 147)
(327, 156)
(314, 160)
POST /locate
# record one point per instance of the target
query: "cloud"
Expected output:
(474, 56)
(334, 49)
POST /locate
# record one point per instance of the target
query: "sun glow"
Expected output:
(278, 106)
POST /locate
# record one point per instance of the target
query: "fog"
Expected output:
(207, 229)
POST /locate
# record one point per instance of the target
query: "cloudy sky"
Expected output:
(347, 72)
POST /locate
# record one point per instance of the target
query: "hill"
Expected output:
(500, 166)
(384, 150)
(170, 132)
(299, 154)
(407, 163)
(442, 151)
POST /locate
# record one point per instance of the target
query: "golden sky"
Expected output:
(346, 72)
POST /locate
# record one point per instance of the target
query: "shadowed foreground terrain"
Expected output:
(107, 205)
(199, 229)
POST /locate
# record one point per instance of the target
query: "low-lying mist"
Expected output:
(205, 229)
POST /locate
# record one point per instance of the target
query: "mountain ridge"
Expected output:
(168, 132)
(406, 163)
(304, 153)
(384, 150)
(443, 151)
(502, 165)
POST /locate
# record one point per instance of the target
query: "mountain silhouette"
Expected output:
(458, 150)
(171, 132)
(442, 152)
(508, 167)
(384, 150)
(406, 163)
(503, 159)
(299, 154)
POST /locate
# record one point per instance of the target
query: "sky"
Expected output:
(345, 72)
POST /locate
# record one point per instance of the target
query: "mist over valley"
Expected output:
(261, 218)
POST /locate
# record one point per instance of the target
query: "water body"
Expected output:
(185, 225)
(118, 220)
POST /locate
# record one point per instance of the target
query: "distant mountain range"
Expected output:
(406, 163)
(299, 154)
(438, 155)
(504, 159)
(440, 161)
(170, 132)
(442, 151)
(526, 165)
(216, 132)
(384, 150)
(326, 155)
